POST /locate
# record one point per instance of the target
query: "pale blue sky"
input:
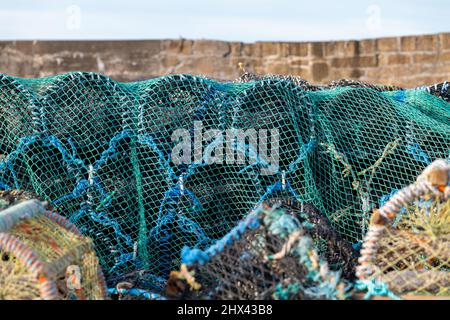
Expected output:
(237, 20)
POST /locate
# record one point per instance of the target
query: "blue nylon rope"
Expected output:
(191, 256)
(419, 155)
(134, 292)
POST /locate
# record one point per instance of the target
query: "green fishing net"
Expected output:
(102, 152)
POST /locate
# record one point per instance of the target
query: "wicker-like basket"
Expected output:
(44, 256)
(407, 245)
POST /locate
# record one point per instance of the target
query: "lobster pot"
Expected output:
(407, 246)
(413, 263)
(413, 256)
(44, 256)
(269, 255)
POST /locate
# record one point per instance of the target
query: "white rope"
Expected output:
(433, 182)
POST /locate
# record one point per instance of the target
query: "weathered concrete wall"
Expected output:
(406, 61)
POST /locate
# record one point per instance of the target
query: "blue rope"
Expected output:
(192, 256)
(169, 214)
(385, 198)
(304, 151)
(357, 246)
(106, 221)
(148, 140)
(400, 95)
(134, 292)
(419, 155)
(78, 191)
(111, 152)
(375, 288)
(77, 215)
(4, 186)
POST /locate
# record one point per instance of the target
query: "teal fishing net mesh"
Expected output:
(101, 152)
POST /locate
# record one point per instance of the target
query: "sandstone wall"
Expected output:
(405, 61)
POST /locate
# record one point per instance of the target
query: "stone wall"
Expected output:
(405, 61)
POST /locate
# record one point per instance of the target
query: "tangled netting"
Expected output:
(42, 255)
(271, 254)
(100, 151)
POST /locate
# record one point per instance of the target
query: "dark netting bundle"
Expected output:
(102, 152)
(305, 85)
(441, 90)
(338, 252)
(271, 254)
